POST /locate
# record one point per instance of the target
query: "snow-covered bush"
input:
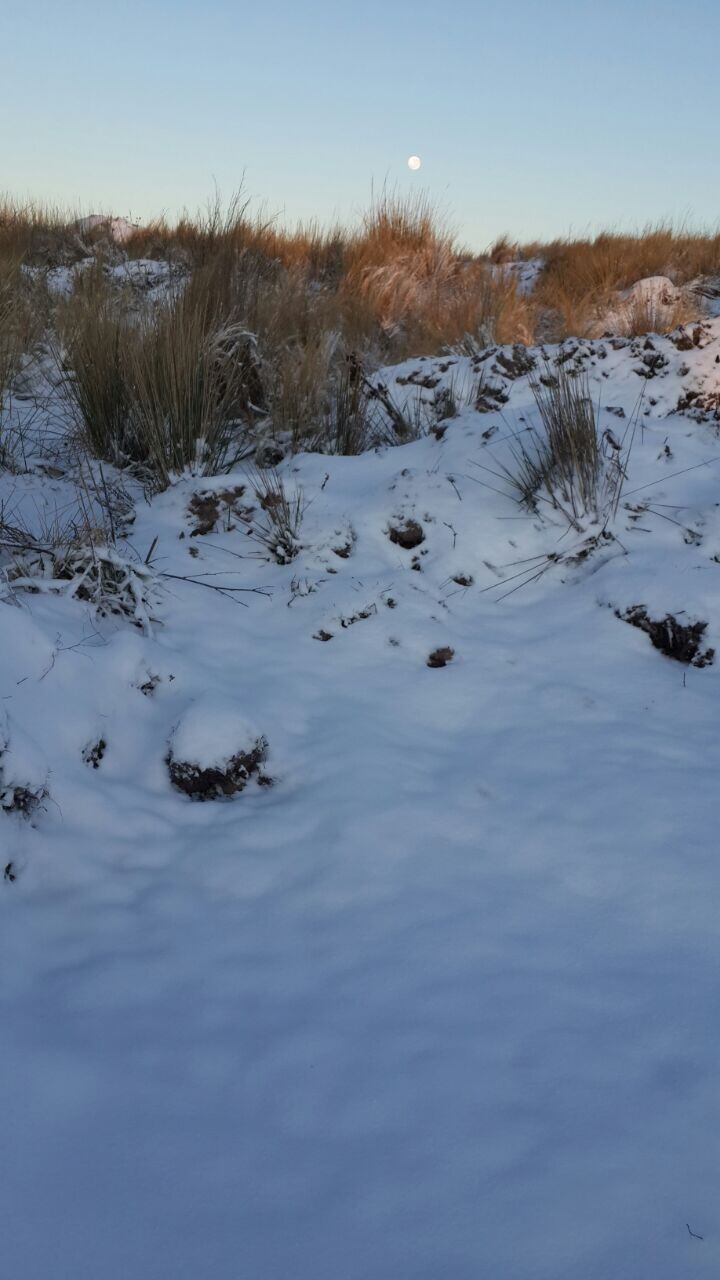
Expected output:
(112, 583)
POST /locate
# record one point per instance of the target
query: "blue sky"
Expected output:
(538, 117)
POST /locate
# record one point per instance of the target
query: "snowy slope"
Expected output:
(441, 1002)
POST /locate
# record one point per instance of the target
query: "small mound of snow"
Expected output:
(210, 732)
(214, 751)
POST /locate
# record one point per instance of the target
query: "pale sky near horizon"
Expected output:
(535, 118)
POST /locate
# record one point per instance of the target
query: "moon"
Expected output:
(414, 163)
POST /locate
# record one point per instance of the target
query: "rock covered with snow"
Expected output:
(214, 750)
(652, 304)
(118, 229)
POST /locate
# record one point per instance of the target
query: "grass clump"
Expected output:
(278, 530)
(567, 465)
(186, 379)
(97, 385)
(166, 389)
(571, 456)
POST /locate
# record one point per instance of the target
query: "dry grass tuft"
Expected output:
(169, 388)
(568, 466)
(95, 356)
(188, 391)
(278, 530)
(580, 278)
(571, 453)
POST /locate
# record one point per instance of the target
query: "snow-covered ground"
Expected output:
(441, 1002)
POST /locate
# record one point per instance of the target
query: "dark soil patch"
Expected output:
(463, 579)
(94, 752)
(359, 616)
(681, 641)
(653, 364)
(407, 534)
(700, 405)
(344, 549)
(417, 379)
(206, 508)
(517, 363)
(490, 397)
(21, 800)
(323, 635)
(441, 657)
(216, 783)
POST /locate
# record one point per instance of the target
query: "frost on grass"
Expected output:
(214, 751)
(112, 583)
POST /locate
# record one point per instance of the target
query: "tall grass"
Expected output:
(187, 384)
(272, 324)
(10, 344)
(167, 389)
(580, 277)
(97, 386)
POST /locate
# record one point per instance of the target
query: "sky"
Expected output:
(538, 118)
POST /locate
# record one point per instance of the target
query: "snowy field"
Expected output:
(439, 1001)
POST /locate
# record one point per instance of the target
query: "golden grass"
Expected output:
(580, 277)
(399, 281)
(271, 322)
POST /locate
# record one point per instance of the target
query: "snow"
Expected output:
(525, 272)
(153, 277)
(442, 1002)
(22, 764)
(211, 732)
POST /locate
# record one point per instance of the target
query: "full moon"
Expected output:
(414, 162)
